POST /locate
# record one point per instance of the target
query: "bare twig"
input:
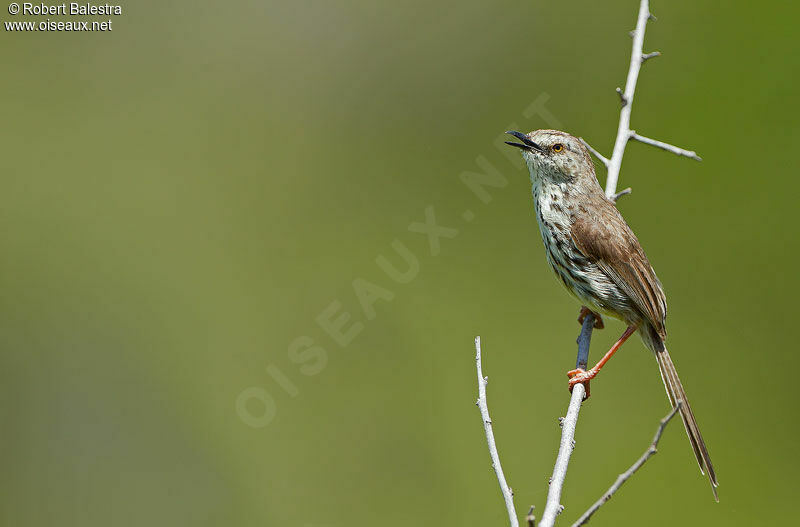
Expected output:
(621, 193)
(508, 495)
(603, 159)
(623, 130)
(665, 146)
(530, 518)
(553, 506)
(651, 450)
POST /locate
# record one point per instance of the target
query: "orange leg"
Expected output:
(598, 320)
(584, 376)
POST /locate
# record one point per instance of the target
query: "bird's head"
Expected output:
(555, 156)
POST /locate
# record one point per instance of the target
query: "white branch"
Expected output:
(508, 495)
(624, 130)
(665, 146)
(651, 450)
(568, 425)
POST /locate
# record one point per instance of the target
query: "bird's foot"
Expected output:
(598, 320)
(581, 376)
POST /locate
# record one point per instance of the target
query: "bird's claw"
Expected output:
(581, 376)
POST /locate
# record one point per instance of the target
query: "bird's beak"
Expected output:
(526, 144)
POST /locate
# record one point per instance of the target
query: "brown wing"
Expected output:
(605, 239)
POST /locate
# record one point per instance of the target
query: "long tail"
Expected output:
(676, 393)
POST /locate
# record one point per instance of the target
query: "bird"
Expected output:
(599, 260)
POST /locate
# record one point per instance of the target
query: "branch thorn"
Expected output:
(622, 98)
(621, 193)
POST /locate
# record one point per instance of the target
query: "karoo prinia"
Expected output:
(599, 260)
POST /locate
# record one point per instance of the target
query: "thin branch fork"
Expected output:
(651, 451)
(624, 132)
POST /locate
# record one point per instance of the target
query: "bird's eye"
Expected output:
(558, 147)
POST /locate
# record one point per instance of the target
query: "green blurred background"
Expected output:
(183, 197)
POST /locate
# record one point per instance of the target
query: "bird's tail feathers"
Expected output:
(676, 393)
